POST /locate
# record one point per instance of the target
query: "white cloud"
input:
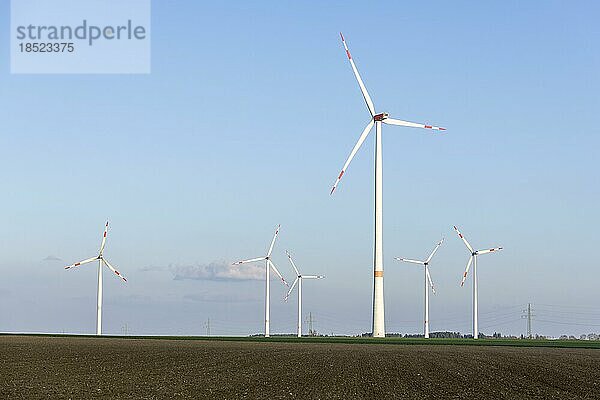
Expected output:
(219, 271)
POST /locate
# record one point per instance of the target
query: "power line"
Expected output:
(566, 323)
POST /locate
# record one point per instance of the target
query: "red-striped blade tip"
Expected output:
(342, 36)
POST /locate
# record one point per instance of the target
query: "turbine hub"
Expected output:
(380, 117)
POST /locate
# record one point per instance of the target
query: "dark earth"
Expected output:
(112, 368)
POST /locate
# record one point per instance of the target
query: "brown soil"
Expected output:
(90, 368)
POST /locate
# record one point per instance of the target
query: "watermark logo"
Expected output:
(80, 36)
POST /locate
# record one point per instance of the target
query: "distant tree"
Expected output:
(446, 335)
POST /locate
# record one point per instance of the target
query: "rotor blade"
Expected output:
(479, 252)
(399, 122)
(408, 260)
(104, 238)
(292, 288)
(77, 264)
(363, 89)
(312, 277)
(273, 241)
(437, 246)
(429, 279)
(361, 139)
(277, 272)
(466, 271)
(249, 261)
(114, 270)
(460, 235)
(292, 261)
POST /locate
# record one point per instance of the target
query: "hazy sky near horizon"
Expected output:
(245, 122)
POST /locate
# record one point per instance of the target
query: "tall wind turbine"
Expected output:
(298, 280)
(427, 280)
(473, 260)
(101, 260)
(376, 119)
(268, 265)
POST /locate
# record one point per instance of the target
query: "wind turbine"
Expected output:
(268, 265)
(298, 280)
(473, 259)
(376, 119)
(427, 280)
(101, 260)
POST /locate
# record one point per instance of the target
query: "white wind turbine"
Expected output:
(268, 265)
(427, 280)
(101, 260)
(298, 280)
(473, 260)
(376, 119)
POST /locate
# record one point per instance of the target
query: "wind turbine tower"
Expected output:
(428, 282)
(268, 265)
(298, 280)
(377, 119)
(473, 260)
(101, 260)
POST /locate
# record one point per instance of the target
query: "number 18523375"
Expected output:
(33, 47)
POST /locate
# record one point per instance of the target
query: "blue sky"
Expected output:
(244, 123)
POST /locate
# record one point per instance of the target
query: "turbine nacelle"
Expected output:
(380, 117)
